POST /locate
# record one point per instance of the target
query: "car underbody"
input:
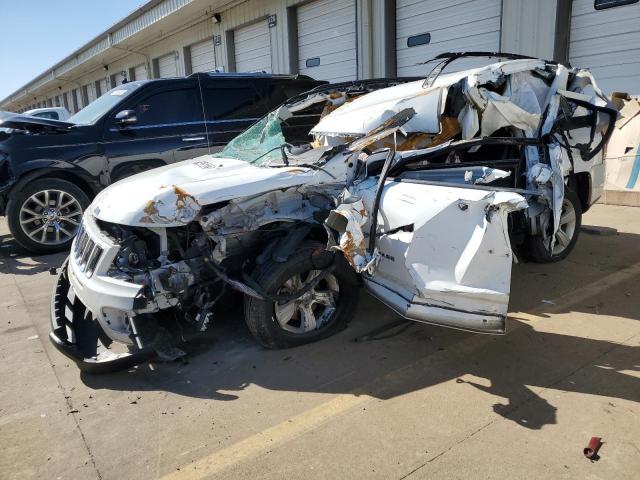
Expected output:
(415, 189)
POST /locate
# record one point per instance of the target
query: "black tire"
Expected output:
(19, 199)
(535, 248)
(260, 315)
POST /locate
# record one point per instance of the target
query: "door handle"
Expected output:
(192, 139)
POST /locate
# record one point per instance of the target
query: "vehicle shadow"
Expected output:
(406, 357)
(17, 261)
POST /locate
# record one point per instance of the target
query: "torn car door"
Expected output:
(444, 255)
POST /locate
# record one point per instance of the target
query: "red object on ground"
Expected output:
(591, 450)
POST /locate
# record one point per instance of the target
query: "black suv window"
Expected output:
(169, 107)
(232, 100)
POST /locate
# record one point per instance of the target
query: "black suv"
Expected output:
(50, 170)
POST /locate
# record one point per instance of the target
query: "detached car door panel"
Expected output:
(445, 255)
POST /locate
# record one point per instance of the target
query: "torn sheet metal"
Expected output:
(351, 240)
(548, 180)
(501, 112)
(334, 99)
(490, 175)
(177, 206)
(368, 112)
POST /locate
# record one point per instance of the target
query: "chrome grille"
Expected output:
(86, 252)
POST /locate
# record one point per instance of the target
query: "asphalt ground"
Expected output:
(407, 401)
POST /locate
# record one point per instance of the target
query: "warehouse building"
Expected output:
(338, 40)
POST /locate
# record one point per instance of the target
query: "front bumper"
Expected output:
(76, 333)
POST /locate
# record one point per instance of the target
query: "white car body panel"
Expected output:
(446, 258)
(63, 113)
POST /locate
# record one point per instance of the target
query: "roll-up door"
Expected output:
(140, 72)
(167, 66)
(426, 28)
(605, 38)
(327, 40)
(104, 88)
(91, 92)
(252, 46)
(202, 56)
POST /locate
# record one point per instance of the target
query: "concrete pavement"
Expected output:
(414, 401)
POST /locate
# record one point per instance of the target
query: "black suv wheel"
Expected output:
(44, 215)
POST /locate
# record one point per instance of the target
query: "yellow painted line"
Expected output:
(269, 438)
(298, 425)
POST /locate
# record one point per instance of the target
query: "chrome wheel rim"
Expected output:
(566, 229)
(50, 217)
(311, 311)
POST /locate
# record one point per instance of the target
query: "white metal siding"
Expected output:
(608, 43)
(327, 31)
(140, 72)
(253, 48)
(167, 66)
(203, 57)
(454, 25)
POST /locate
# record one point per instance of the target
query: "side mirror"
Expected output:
(125, 118)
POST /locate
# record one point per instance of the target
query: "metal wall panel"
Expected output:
(327, 40)
(252, 47)
(607, 42)
(203, 56)
(453, 25)
(148, 18)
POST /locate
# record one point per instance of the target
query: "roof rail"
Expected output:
(449, 57)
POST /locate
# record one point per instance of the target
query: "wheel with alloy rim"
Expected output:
(566, 228)
(45, 215)
(327, 303)
(311, 311)
(566, 236)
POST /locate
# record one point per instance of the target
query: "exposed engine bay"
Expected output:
(419, 187)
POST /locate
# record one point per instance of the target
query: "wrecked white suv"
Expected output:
(419, 190)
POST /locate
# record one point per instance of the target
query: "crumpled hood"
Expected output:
(173, 195)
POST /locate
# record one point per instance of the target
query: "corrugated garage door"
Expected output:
(426, 28)
(607, 42)
(91, 92)
(116, 79)
(253, 48)
(327, 40)
(140, 72)
(167, 66)
(202, 56)
(103, 86)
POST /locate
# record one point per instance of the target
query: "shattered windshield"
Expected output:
(260, 144)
